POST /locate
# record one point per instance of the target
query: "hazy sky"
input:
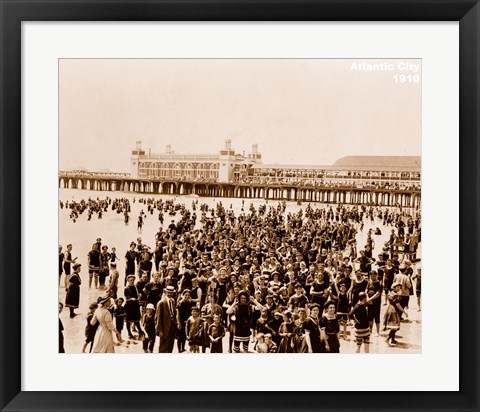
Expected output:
(297, 111)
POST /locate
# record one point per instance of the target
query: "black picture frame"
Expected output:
(13, 12)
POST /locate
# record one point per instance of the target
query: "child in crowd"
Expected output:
(271, 345)
(148, 322)
(205, 342)
(90, 330)
(216, 332)
(259, 343)
(193, 330)
(113, 255)
(119, 314)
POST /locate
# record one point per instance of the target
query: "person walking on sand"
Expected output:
(103, 342)
(394, 311)
(90, 329)
(72, 299)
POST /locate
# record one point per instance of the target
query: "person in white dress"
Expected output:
(104, 337)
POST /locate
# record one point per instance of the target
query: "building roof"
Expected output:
(352, 163)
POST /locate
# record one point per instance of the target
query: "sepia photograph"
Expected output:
(240, 206)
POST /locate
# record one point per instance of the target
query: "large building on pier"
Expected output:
(377, 180)
(227, 166)
(224, 166)
(358, 171)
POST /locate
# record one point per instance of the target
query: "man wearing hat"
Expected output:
(72, 299)
(166, 320)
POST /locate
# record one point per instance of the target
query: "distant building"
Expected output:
(224, 166)
(358, 171)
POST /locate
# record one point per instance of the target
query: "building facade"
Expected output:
(372, 180)
(224, 166)
(369, 172)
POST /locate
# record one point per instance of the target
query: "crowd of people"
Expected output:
(326, 183)
(265, 280)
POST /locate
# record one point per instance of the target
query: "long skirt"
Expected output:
(391, 320)
(132, 311)
(72, 298)
(333, 343)
(286, 345)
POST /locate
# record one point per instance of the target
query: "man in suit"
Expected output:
(165, 321)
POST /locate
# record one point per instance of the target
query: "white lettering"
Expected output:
(367, 67)
(412, 67)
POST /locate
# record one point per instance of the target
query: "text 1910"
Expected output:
(406, 78)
